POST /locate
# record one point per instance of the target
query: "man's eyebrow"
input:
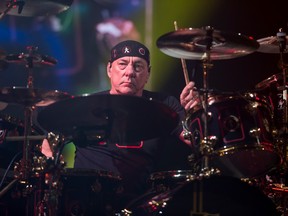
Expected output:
(135, 61)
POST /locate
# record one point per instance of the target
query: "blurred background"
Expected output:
(80, 38)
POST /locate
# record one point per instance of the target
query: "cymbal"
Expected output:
(37, 59)
(115, 118)
(191, 43)
(270, 45)
(31, 96)
(34, 8)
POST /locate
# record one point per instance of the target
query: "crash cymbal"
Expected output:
(270, 45)
(34, 7)
(37, 59)
(191, 43)
(31, 96)
(115, 118)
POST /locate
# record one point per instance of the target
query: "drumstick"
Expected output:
(184, 66)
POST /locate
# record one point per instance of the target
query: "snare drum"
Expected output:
(240, 128)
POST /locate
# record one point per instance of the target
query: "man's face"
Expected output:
(128, 75)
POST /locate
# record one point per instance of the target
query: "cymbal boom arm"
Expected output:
(206, 143)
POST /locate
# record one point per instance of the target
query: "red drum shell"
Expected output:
(240, 129)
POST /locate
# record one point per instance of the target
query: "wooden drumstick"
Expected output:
(184, 66)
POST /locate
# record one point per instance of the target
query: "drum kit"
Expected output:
(238, 138)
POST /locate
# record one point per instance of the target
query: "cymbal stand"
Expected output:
(26, 162)
(281, 38)
(206, 147)
(12, 4)
(45, 200)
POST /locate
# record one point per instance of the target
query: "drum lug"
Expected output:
(251, 107)
(207, 145)
(255, 132)
(126, 212)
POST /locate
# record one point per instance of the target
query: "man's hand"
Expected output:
(189, 97)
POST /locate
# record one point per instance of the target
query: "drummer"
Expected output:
(129, 70)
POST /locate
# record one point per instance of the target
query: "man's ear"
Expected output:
(148, 74)
(149, 68)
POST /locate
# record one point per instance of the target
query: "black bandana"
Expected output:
(130, 48)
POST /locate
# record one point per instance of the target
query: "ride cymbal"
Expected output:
(34, 7)
(116, 118)
(191, 43)
(270, 45)
(34, 59)
(31, 96)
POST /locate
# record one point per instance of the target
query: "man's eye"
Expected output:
(138, 66)
(122, 65)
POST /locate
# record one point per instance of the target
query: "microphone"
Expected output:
(281, 38)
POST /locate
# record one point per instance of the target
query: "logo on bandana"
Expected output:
(126, 50)
(142, 51)
(130, 48)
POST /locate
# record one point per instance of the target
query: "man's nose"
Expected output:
(130, 70)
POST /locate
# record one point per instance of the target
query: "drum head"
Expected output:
(215, 195)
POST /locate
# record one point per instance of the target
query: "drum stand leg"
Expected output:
(207, 143)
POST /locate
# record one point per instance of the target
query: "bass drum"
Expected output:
(88, 192)
(215, 195)
(240, 129)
